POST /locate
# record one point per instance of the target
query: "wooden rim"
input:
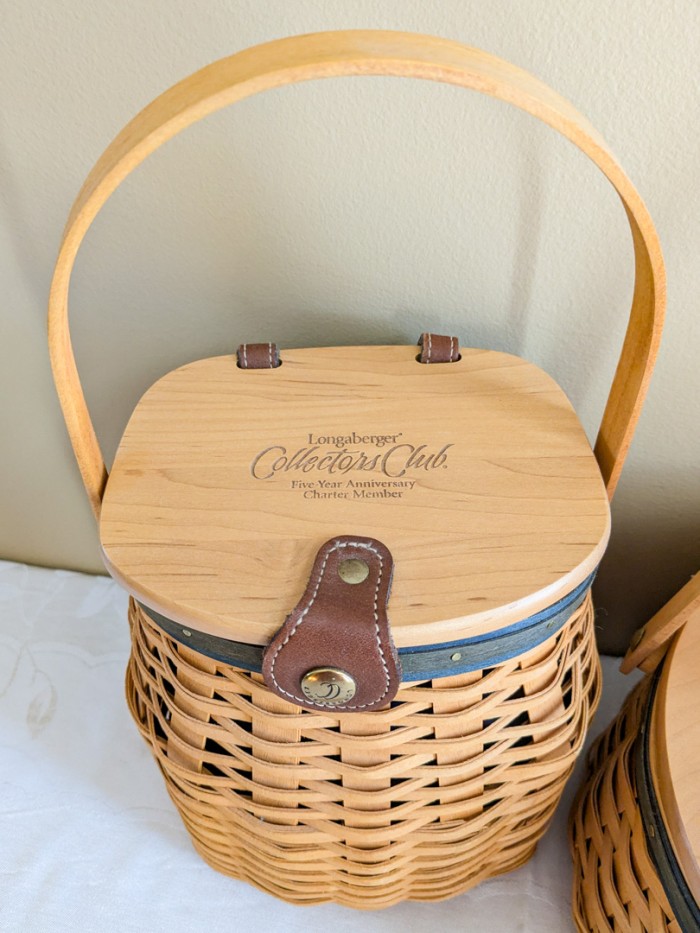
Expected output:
(347, 53)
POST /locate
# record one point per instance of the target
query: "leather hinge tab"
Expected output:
(335, 651)
(258, 356)
(436, 348)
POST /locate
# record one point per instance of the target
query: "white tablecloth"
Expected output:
(89, 841)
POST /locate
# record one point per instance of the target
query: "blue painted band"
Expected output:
(423, 662)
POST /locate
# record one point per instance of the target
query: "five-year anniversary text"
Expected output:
(352, 489)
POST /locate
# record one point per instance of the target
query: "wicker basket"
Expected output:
(452, 773)
(453, 784)
(629, 865)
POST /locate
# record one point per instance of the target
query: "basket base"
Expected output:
(454, 783)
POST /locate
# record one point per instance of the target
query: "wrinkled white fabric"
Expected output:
(89, 841)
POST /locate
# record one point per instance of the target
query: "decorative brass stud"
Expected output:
(328, 685)
(353, 570)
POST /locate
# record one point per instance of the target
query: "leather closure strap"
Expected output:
(436, 348)
(426, 662)
(335, 649)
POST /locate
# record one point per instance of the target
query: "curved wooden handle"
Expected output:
(332, 54)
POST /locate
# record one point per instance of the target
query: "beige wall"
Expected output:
(366, 207)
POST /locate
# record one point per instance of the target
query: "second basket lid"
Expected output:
(476, 474)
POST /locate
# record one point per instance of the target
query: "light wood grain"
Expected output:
(675, 751)
(649, 645)
(512, 518)
(332, 54)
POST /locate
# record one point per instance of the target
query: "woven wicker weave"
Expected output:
(616, 886)
(455, 782)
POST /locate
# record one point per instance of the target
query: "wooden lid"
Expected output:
(674, 751)
(476, 475)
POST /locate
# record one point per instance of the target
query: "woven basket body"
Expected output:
(452, 784)
(616, 886)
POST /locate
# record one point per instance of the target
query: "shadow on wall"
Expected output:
(30, 260)
(653, 552)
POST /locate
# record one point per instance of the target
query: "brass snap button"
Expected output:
(353, 570)
(328, 685)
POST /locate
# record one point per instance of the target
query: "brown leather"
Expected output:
(339, 625)
(258, 356)
(436, 348)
